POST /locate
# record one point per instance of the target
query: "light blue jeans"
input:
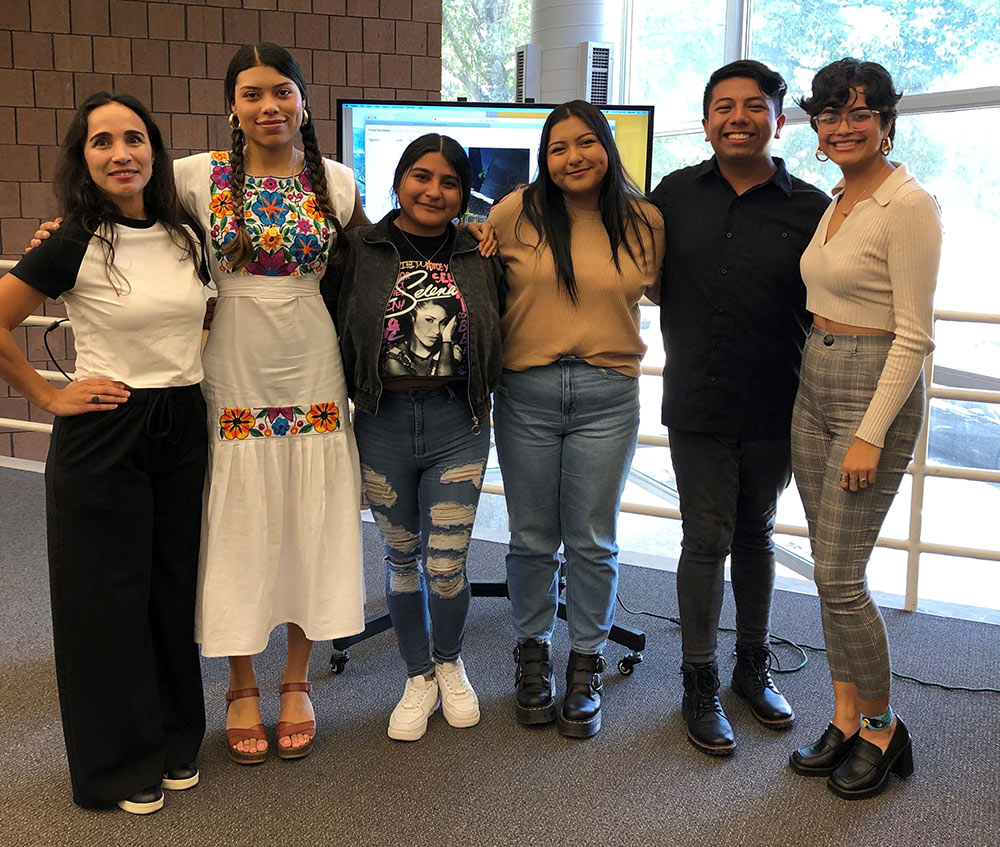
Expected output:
(565, 436)
(422, 467)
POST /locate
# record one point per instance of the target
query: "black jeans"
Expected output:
(728, 489)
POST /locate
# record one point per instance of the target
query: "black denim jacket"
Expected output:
(357, 290)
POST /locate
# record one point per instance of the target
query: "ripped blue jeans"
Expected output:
(422, 469)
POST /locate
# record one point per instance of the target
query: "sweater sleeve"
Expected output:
(914, 253)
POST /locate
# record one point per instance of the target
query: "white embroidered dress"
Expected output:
(281, 539)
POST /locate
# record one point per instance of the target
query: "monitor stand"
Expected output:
(633, 639)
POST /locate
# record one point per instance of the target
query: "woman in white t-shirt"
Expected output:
(127, 457)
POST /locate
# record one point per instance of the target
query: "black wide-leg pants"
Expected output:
(124, 497)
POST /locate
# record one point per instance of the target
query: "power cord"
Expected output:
(45, 341)
(801, 648)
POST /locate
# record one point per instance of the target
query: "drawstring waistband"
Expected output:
(161, 414)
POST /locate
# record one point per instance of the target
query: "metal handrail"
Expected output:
(913, 545)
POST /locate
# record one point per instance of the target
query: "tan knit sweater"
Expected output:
(541, 323)
(880, 270)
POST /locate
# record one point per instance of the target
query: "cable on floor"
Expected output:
(801, 648)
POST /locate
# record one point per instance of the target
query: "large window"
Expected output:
(478, 41)
(945, 55)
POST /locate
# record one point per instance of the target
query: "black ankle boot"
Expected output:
(752, 681)
(823, 757)
(580, 716)
(535, 687)
(707, 726)
(866, 771)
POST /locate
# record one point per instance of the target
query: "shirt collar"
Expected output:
(884, 193)
(780, 177)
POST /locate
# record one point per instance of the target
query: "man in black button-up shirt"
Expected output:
(733, 318)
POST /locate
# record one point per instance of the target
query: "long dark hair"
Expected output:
(619, 199)
(835, 86)
(82, 201)
(240, 248)
(454, 154)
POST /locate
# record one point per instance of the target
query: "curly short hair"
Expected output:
(836, 85)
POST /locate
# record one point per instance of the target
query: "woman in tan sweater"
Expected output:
(580, 247)
(870, 273)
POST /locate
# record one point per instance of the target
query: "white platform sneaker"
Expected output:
(420, 700)
(458, 701)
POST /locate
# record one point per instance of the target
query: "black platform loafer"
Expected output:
(143, 802)
(823, 757)
(177, 779)
(866, 771)
(752, 681)
(580, 716)
(535, 687)
(708, 729)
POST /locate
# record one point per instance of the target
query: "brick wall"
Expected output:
(173, 57)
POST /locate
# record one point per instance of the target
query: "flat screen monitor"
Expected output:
(500, 138)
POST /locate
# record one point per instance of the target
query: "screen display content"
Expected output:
(500, 138)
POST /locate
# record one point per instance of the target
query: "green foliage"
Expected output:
(479, 38)
(926, 45)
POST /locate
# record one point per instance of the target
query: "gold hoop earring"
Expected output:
(234, 122)
(886, 146)
(305, 116)
(821, 156)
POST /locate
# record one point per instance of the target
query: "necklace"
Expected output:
(861, 196)
(296, 166)
(430, 258)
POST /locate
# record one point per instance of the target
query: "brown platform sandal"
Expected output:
(287, 728)
(236, 735)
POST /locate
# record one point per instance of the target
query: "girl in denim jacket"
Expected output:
(418, 314)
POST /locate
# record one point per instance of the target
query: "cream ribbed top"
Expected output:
(541, 324)
(879, 270)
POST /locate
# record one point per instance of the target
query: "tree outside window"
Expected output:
(479, 38)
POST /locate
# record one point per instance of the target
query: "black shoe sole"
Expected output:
(781, 723)
(535, 715)
(579, 729)
(712, 750)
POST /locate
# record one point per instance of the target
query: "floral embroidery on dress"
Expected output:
(278, 421)
(289, 232)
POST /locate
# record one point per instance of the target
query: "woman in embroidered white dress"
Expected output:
(281, 540)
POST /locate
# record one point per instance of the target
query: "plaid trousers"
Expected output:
(839, 376)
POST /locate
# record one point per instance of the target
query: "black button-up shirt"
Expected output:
(732, 302)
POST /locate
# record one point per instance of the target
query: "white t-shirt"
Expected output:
(145, 332)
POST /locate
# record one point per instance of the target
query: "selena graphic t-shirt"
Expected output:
(425, 334)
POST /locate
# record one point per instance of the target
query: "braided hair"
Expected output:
(239, 249)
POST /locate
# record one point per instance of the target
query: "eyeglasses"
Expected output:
(856, 119)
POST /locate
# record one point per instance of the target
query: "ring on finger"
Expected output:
(96, 398)
(845, 477)
(863, 482)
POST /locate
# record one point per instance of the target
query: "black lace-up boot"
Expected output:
(707, 726)
(535, 687)
(752, 681)
(580, 716)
